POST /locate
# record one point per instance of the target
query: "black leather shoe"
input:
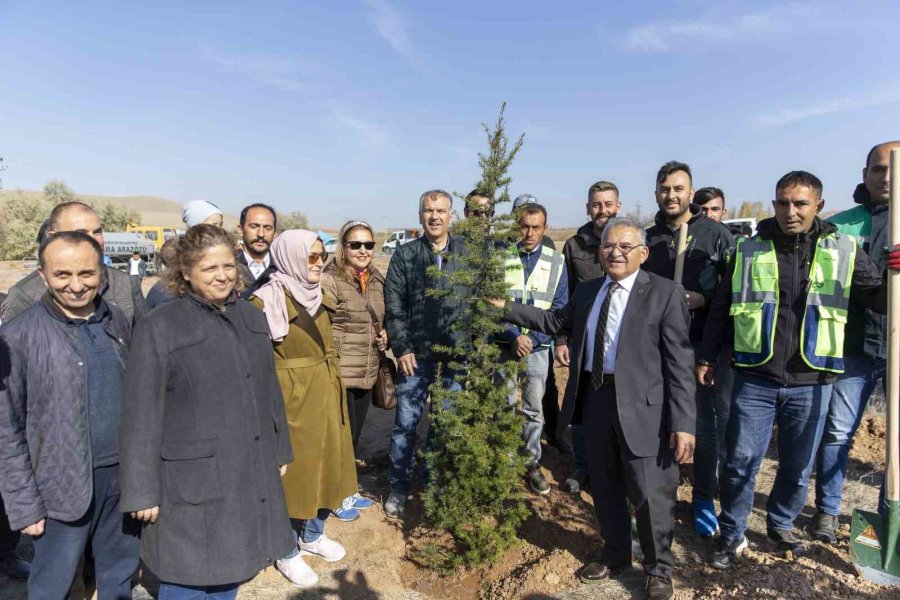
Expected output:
(786, 541)
(14, 567)
(576, 482)
(594, 572)
(824, 528)
(660, 588)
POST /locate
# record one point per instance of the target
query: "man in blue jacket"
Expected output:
(60, 403)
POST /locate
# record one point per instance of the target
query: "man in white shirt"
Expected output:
(257, 227)
(137, 267)
(631, 388)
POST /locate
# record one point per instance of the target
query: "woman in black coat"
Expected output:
(204, 436)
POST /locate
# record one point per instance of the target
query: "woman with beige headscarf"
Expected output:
(324, 470)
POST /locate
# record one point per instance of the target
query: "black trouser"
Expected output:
(358, 402)
(9, 539)
(550, 403)
(617, 475)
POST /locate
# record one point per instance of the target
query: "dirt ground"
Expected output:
(557, 539)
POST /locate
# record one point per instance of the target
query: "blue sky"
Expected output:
(352, 109)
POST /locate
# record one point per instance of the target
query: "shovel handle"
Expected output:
(892, 492)
(680, 248)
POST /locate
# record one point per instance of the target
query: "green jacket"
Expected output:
(866, 329)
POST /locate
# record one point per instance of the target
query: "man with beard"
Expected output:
(865, 347)
(582, 255)
(257, 227)
(709, 244)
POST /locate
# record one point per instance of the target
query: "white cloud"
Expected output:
(392, 26)
(670, 35)
(373, 137)
(825, 107)
(270, 70)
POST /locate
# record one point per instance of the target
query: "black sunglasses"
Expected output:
(356, 245)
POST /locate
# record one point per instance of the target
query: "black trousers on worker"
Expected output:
(617, 475)
(550, 403)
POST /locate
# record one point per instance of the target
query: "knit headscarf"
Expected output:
(290, 254)
(198, 211)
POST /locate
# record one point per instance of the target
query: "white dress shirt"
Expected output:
(613, 323)
(257, 268)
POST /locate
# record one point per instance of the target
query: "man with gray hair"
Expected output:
(631, 387)
(416, 323)
(117, 287)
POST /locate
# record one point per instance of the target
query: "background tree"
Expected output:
(116, 218)
(21, 215)
(57, 192)
(292, 220)
(476, 459)
(757, 210)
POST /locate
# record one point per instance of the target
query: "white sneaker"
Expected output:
(297, 571)
(325, 547)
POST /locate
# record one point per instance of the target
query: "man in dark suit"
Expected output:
(258, 225)
(631, 387)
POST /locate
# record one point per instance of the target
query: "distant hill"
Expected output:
(154, 211)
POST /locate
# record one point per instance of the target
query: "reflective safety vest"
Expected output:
(540, 288)
(754, 302)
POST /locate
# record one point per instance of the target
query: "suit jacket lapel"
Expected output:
(634, 308)
(595, 289)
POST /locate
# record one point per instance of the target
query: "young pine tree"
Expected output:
(475, 458)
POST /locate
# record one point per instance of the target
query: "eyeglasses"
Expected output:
(314, 258)
(625, 248)
(356, 245)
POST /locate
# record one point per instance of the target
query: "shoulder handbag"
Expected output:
(384, 394)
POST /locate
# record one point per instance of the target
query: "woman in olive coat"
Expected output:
(306, 364)
(203, 440)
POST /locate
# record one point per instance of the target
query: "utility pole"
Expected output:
(3, 167)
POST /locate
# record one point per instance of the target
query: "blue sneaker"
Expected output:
(705, 522)
(361, 502)
(346, 514)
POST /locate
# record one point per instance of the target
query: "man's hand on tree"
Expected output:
(523, 346)
(893, 258)
(35, 529)
(406, 364)
(562, 354)
(496, 302)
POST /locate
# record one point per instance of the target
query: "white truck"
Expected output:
(398, 238)
(119, 247)
(742, 225)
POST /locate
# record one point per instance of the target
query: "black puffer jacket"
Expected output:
(794, 253)
(416, 321)
(45, 446)
(706, 259)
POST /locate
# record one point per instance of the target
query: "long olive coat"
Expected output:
(351, 325)
(203, 433)
(324, 471)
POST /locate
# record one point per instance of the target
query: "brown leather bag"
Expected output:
(384, 394)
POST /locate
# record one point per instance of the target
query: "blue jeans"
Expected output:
(412, 392)
(712, 422)
(308, 530)
(758, 404)
(113, 537)
(173, 591)
(534, 383)
(849, 397)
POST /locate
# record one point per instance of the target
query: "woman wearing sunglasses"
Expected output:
(356, 288)
(323, 472)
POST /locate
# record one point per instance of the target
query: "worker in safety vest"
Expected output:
(784, 303)
(537, 276)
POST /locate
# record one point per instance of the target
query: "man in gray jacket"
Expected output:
(63, 362)
(117, 288)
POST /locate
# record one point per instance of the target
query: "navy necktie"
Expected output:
(600, 337)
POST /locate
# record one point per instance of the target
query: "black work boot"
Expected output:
(824, 528)
(786, 541)
(725, 553)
